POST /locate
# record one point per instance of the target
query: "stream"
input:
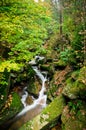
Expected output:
(30, 111)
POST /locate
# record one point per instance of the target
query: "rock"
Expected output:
(59, 64)
(12, 106)
(76, 85)
(29, 100)
(74, 116)
(34, 86)
(74, 89)
(32, 62)
(58, 82)
(40, 59)
(49, 68)
(48, 117)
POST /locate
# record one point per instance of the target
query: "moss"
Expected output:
(48, 117)
(74, 125)
(12, 106)
(34, 86)
(55, 108)
(27, 126)
(60, 64)
(74, 89)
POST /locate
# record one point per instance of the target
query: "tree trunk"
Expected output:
(61, 21)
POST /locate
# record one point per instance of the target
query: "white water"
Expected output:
(24, 97)
(41, 99)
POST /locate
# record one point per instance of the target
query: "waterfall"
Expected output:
(30, 111)
(41, 98)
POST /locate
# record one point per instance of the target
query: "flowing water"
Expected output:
(35, 108)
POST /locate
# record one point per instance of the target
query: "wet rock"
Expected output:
(49, 68)
(29, 100)
(48, 117)
(34, 86)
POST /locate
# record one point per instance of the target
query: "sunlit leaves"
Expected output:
(25, 25)
(9, 66)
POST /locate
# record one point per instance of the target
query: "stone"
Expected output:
(34, 86)
(29, 100)
(12, 106)
(48, 117)
(74, 89)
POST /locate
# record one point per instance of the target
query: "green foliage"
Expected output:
(74, 26)
(9, 65)
(68, 56)
(4, 86)
(75, 105)
(24, 27)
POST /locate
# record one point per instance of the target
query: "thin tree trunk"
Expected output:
(60, 17)
(61, 21)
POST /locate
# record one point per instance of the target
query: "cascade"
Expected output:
(41, 98)
(30, 111)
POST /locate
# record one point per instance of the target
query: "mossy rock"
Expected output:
(25, 74)
(74, 116)
(60, 64)
(4, 87)
(12, 106)
(48, 117)
(34, 86)
(47, 67)
(74, 89)
(51, 91)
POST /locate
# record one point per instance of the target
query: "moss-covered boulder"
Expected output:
(74, 116)
(76, 84)
(74, 89)
(59, 64)
(4, 87)
(48, 67)
(34, 86)
(48, 117)
(12, 106)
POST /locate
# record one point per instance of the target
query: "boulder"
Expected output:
(34, 86)
(12, 106)
(76, 85)
(74, 89)
(48, 117)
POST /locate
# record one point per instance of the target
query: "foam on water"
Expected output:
(41, 99)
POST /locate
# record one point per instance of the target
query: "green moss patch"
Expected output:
(47, 117)
(12, 106)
